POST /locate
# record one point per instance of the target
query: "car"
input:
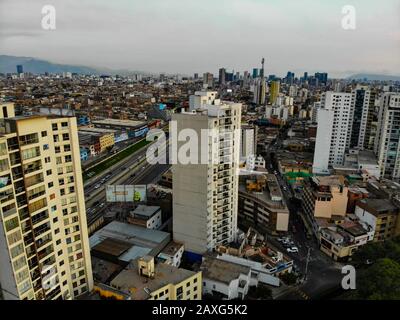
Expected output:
(101, 205)
(97, 186)
(292, 250)
(280, 239)
(284, 188)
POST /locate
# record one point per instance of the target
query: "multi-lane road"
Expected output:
(134, 171)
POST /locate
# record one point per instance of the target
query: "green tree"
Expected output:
(380, 282)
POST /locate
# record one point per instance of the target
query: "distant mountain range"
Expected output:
(373, 77)
(8, 64)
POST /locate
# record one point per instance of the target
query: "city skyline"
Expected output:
(200, 37)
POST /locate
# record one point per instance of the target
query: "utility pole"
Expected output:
(307, 261)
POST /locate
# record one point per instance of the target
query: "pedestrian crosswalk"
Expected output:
(302, 294)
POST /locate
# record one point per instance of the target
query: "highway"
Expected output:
(138, 171)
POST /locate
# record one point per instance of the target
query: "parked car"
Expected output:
(97, 186)
(292, 250)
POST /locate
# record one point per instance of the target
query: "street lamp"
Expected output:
(307, 261)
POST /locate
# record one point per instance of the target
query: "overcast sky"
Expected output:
(187, 36)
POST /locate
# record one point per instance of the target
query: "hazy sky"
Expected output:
(188, 36)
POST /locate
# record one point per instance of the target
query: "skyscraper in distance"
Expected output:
(20, 69)
(255, 73)
(274, 91)
(260, 87)
(222, 76)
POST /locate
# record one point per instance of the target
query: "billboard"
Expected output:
(126, 193)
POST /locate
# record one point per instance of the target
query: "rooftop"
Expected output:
(146, 211)
(129, 280)
(222, 271)
(119, 122)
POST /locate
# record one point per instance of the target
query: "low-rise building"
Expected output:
(380, 216)
(324, 197)
(172, 254)
(225, 280)
(261, 203)
(341, 240)
(145, 280)
(146, 216)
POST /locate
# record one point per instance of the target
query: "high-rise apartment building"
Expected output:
(208, 80)
(363, 110)
(205, 195)
(260, 87)
(274, 92)
(387, 141)
(222, 76)
(334, 130)
(248, 141)
(44, 247)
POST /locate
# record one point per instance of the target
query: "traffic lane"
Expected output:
(114, 172)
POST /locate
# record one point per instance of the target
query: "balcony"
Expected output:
(17, 173)
(37, 218)
(45, 252)
(53, 294)
(23, 214)
(41, 230)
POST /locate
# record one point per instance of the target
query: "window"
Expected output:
(11, 224)
(47, 159)
(48, 172)
(57, 149)
(50, 184)
(64, 124)
(44, 134)
(55, 220)
(67, 148)
(57, 231)
(56, 138)
(61, 263)
(58, 242)
(45, 147)
(54, 126)
(65, 136)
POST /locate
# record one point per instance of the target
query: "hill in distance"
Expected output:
(8, 64)
(374, 77)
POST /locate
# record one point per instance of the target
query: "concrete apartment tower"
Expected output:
(205, 196)
(387, 141)
(334, 130)
(44, 247)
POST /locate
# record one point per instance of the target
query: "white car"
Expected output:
(97, 186)
(292, 250)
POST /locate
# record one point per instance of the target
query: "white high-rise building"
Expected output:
(248, 141)
(44, 245)
(205, 195)
(334, 130)
(387, 141)
(201, 98)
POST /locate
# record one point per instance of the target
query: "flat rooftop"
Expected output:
(146, 211)
(222, 271)
(119, 123)
(378, 205)
(129, 280)
(132, 234)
